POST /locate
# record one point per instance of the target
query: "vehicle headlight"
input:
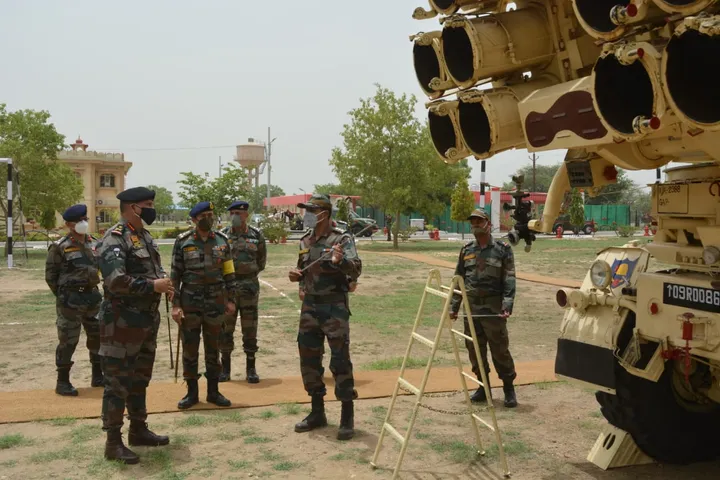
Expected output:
(711, 255)
(600, 274)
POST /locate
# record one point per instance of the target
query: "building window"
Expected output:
(107, 180)
(105, 216)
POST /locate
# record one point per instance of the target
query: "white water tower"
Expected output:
(251, 157)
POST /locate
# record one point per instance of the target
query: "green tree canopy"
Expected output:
(259, 194)
(222, 191)
(332, 189)
(388, 159)
(543, 177)
(163, 200)
(45, 184)
(576, 209)
(463, 202)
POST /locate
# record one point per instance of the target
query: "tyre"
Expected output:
(661, 426)
(588, 230)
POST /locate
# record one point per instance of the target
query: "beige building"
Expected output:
(103, 177)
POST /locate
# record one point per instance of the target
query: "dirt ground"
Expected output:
(547, 437)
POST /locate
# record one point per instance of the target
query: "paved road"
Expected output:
(419, 235)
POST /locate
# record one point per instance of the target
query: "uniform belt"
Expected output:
(79, 288)
(246, 276)
(485, 300)
(334, 297)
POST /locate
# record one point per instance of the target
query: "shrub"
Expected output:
(626, 230)
(274, 229)
(174, 232)
(406, 233)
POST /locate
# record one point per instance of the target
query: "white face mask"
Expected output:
(310, 219)
(82, 227)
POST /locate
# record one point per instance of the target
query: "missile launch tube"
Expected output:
(495, 45)
(445, 133)
(489, 120)
(689, 65)
(430, 68)
(684, 7)
(628, 95)
(609, 19)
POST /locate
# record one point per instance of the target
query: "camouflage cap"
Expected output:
(316, 202)
(479, 213)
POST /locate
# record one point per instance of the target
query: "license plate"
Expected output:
(698, 298)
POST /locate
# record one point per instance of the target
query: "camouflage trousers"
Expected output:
(204, 315)
(128, 343)
(317, 321)
(76, 310)
(247, 306)
(493, 331)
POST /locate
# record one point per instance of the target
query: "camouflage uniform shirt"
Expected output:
(249, 253)
(325, 278)
(72, 264)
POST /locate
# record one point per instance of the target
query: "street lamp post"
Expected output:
(267, 154)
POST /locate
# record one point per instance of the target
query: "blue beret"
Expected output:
(239, 205)
(201, 207)
(137, 194)
(75, 213)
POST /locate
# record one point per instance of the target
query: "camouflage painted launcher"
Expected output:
(617, 83)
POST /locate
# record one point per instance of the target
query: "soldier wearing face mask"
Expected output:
(71, 272)
(488, 268)
(204, 274)
(249, 253)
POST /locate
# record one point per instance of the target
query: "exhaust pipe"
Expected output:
(444, 131)
(684, 7)
(689, 59)
(628, 96)
(489, 120)
(495, 45)
(430, 68)
(609, 19)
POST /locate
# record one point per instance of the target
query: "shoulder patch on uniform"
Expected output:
(469, 243)
(338, 230)
(119, 229)
(307, 233)
(71, 248)
(469, 256)
(254, 229)
(184, 235)
(222, 235)
(304, 251)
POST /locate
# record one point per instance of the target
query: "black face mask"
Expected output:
(147, 215)
(205, 224)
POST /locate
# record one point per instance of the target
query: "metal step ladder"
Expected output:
(434, 287)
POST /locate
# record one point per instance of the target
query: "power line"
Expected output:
(163, 149)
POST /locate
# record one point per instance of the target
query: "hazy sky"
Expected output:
(141, 76)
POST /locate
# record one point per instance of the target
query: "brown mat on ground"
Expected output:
(34, 405)
(528, 277)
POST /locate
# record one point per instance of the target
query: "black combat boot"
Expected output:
(214, 395)
(252, 376)
(116, 450)
(510, 398)
(225, 374)
(347, 423)
(192, 396)
(316, 418)
(63, 385)
(479, 395)
(140, 435)
(97, 379)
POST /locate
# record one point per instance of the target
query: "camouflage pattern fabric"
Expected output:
(71, 272)
(129, 320)
(249, 253)
(203, 275)
(325, 313)
(489, 274)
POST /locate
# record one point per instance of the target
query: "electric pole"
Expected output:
(267, 154)
(219, 166)
(534, 158)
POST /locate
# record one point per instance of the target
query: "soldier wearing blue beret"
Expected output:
(249, 253)
(134, 281)
(71, 272)
(203, 272)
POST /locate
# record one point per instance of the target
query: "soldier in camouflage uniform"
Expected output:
(249, 253)
(71, 272)
(488, 267)
(134, 281)
(324, 288)
(202, 272)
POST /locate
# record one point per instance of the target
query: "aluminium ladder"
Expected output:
(434, 286)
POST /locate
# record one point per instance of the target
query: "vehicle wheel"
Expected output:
(588, 230)
(660, 425)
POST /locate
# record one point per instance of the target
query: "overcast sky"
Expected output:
(160, 79)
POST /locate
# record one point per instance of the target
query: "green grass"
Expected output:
(195, 420)
(61, 421)
(454, 450)
(254, 439)
(267, 414)
(236, 465)
(36, 307)
(285, 466)
(513, 448)
(9, 464)
(85, 433)
(396, 362)
(14, 440)
(290, 408)
(67, 453)
(101, 468)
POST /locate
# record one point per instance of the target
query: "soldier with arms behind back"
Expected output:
(324, 288)
(488, 268)
(71, 272)
(134, 281)
(202, 272)
(249, 253)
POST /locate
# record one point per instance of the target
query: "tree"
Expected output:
(543, 177)
(576, 209)
(343, 212)
(463, 203)
(388, 158)
(222, 191)
(259, 194)
(332, 189)
(33, 143)
(615, 193)
(163, 200)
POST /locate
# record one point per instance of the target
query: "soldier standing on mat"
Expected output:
(203, 273)
(249, 253)
(71, 272)
(488, 268)
(324, 288)
(134, 281)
